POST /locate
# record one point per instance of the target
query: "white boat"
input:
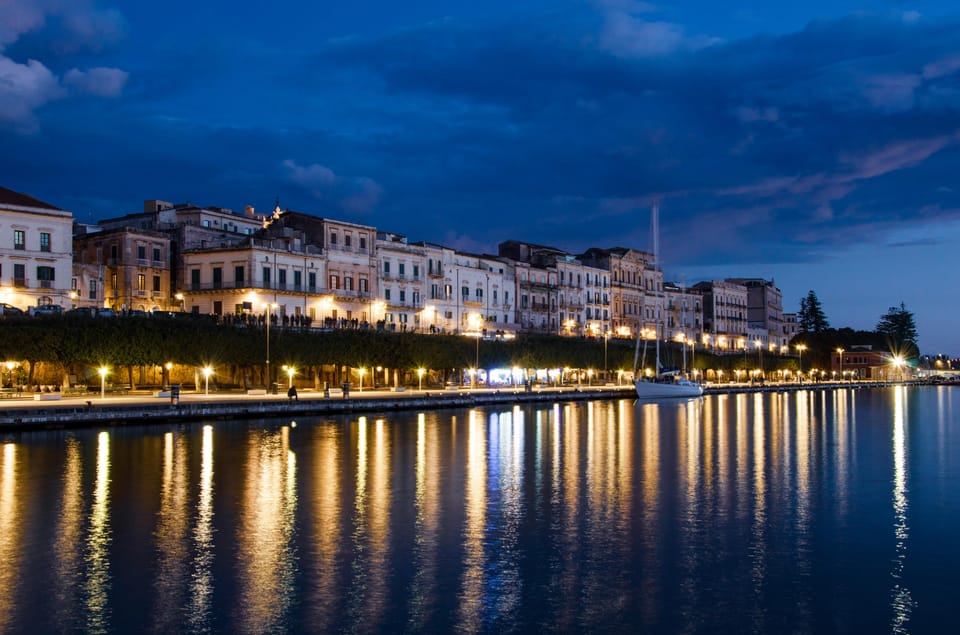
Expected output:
(663, 385)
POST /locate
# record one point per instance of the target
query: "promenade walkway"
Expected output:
(138, 407)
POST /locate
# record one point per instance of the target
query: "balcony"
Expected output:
(20, 282)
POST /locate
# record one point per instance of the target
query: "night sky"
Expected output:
(816, 144)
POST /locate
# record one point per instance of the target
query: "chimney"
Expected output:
(248, 211)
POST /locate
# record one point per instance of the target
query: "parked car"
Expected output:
(84, 311)
(9, 309)
(47, 309)
(106, 312)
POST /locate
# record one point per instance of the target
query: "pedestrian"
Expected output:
(292, 393)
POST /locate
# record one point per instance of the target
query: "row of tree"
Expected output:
(896, 331)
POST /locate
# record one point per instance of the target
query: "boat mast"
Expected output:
(657, 309)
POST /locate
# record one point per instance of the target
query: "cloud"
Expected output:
(354, 195)
(25, 87)
(100, 81)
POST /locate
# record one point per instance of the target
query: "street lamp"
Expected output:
(840, 352)
(800, 349)
(291, 371)
(207, 371)
(606, 334)
(420, 372)
(269, 311)
(361, 372)
(103, 381)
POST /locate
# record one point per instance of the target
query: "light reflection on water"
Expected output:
(735, 513)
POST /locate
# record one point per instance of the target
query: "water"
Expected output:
(810, 512)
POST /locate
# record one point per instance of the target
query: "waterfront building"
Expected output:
(790, 328)
(683, 318)
(402, 281)
(631, 273)
(862, 362)
(36, 254)
(765, 313)
(724, 315)
(122, 268)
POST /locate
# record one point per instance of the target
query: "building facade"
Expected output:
(36, 252)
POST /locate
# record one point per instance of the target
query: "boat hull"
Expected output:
(667, 390)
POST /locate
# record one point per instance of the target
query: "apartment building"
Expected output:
(764, 313)
(631, 273)
(402, 281)
(36, 252)
(724, 315)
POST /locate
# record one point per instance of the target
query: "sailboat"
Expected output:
(662, 385)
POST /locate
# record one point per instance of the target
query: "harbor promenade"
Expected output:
(28, 412)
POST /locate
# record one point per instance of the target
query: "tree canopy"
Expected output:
(899, 329)
(811, 318)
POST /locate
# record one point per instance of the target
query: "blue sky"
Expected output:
(816, 144)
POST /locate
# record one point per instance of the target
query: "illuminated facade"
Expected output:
(724, 315)
(36, 254)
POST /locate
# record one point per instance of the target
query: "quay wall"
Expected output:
(80, 412)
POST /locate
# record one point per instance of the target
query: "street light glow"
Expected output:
(103, 370)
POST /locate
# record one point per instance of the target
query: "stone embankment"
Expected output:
(91, 410)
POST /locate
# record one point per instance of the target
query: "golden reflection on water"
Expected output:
(377, 591)
(9, 534)
(171, 535)
(328, 515)
(423, 588)
(266, 557)
(901, 599)
(98, 544)
(66, 545)
(470, 610)
(201, 586)
(758, 548)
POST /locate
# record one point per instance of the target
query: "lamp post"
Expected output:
(800, 349)
(606, 334)
(269, 310)
(420, 372)
(103, 381)
(291, 371)
(207, 371)
(840, 355)
(361, 372)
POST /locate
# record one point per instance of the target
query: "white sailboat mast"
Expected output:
(657, 309)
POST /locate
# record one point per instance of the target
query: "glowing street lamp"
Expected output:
(291, 371)
(103, 370)
(361, 372)
(800, 349)
(420, 372)
(207, 371)
(840, 352)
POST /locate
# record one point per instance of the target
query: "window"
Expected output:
(506, 298)
(416, 271)
(239, 275)
(44, 241)
(465, 292)
(93, 290)
(494, 296)
(363, 242)
(282, 278)
(347, 239)
(401, 268)
(334, 281)
(194, 279)
(113, 282)
(312, 280)
(45, 276)
(20, 275)
(434, 291)
(156, 284)
(297, 279)
(348, 283)
(386, 294)
(333, 238)
(156, 254)
(217, 277)
(141, 282)
(479, 295)
(448, 291)
(266, 277)
(386, 267)
(403, 295)
(141, 252)
(19, 239)
(364, 285)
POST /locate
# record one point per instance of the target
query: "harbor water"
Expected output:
(823, 511)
